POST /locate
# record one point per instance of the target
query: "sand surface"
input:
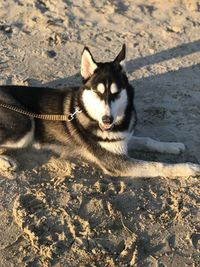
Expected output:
(59, 213)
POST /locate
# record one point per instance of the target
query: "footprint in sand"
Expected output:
(43, 226)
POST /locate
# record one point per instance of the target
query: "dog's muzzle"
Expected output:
(106, 127)
(107, 123)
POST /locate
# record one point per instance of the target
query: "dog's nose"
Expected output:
(107, 119)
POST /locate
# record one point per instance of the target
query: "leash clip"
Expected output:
(72, 115)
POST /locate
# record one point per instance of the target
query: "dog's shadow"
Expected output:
(175, 52)
(73, 80)
(167, 104)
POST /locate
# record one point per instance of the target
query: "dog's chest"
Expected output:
(115, 142)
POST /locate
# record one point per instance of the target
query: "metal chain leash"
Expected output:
(50, 117)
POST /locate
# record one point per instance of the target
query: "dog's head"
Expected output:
(105, 90)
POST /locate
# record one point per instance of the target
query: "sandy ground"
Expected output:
(57, 213)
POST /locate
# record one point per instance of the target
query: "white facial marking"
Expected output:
(95, 107)
(113, 88)
(101, 88)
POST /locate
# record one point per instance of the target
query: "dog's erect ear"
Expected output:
(120, 59)
(88, 64)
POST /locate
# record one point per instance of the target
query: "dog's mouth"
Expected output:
(106, 126)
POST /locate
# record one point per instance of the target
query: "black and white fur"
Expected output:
(101, 133)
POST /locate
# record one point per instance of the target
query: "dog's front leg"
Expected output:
(154, 169)
(121, 165)
(148, 144)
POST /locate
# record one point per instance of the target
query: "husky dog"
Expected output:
(101, 125)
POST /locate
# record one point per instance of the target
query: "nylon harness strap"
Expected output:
(50, 117)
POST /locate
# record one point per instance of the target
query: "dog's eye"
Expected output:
(116, 93)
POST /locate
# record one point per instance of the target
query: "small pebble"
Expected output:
(51, 53)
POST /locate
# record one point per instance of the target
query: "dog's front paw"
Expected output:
(194, 168)
(187, 169)
(7, 163)
(176, 148)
